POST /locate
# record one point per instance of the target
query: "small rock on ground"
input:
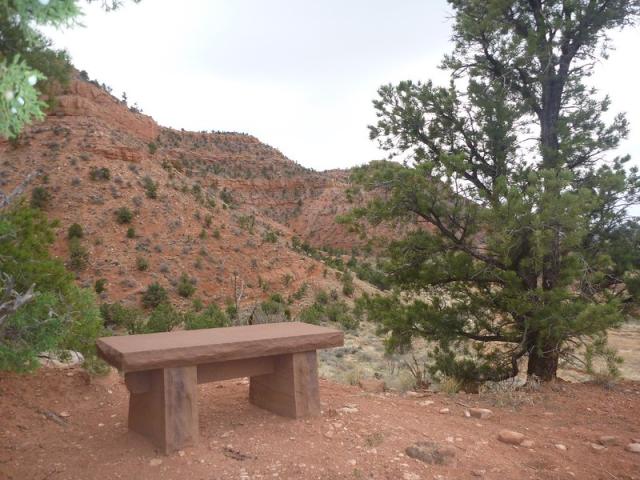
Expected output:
(410, 476)
(608, 440)
(154, 462)
(633, 448)
(510, 437)
(431, 452)
(480, 413)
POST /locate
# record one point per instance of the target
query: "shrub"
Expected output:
(124, 215)
(61, 316)
(216, 233)
(163, 318)
(211, 317)
(154, 295)
(197, 304)
(153, 147)
(131, 232)
(100, 174)
(186, 286)
(311, 314)
(75, 231)
(322, 297)
(100, 285)
(40, 198)
(150, 187)
(300, 293)
(118, 315)
(231, 310)
(273, 305)
(338, 312)
(347, 283)
(142, 264)
(226, 197)
(78, 255)
(270, 236)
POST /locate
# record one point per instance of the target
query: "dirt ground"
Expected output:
(55, 425)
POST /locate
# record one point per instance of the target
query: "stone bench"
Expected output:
(162, 371)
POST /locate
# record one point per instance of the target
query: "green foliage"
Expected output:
(61, 316)
(516, 256)
(313, 314)
(163, 318)
(100, 285)
(40, 198)
(131, 232)
(119, 316)
(28, 64)
(154, 295)
(231, 310)
(78, 255)
(247, 222)
(186, 286)
(226, 196)
(327, 309)
(150, 187)
(347, 283)
(322, 297)
(142, 264)
(75, 231)
(124, 215)
(270, 236)
(153, 147)
(301, 292)
(19, 102)
(102, 174)
(211, 317)
(273, 305)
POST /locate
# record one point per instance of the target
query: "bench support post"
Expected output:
(167, 412)
(292, 390)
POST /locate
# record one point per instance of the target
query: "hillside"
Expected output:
(226, 205)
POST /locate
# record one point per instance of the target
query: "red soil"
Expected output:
(89, 439)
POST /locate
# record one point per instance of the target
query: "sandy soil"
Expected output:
(55, 425)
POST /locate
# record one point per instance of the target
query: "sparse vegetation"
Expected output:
(211, 317)
(142, 264)
(100, 174)
(154, 295)
(124, 215)
(78, 254)
(40, 198)
(75, 231)
(150, 187)
(186, 286)
(100, 285)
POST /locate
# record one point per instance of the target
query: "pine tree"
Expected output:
(519, 204)
(27, 59)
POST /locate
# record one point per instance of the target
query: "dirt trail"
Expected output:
(56, 426)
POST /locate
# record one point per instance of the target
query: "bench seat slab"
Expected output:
(292, 389)
(166, 410)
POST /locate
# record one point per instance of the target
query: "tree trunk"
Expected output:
(543, 363)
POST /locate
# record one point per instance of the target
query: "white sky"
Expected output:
(299, 75)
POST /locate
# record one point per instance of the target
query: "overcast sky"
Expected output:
(299, 75)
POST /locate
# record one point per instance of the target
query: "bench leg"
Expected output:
(292, 389)
(167, 412)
